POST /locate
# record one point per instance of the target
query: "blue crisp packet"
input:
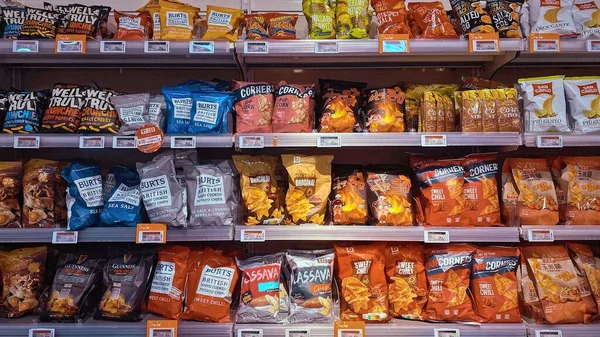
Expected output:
(179, 109)
(209, 111)
(84, 195)
(123, 206)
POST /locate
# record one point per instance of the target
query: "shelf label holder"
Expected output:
(540, 235)
(349, 329)
(161, 328)
(446, 332)
(550, 141)
(124, 142)
(70, 44)
(113, 47)
(64, 237)
(394, 43)
(253, 235)
(202, 47)
(434, 236)
(251, 142)
(183, 142)
(26, 46)
(250, 333)
(151, 233)
(544, 43)
(41, 332)
(329, 141)
(91, 142)
(297, 332)
(156, 47)
(326, 47)
(548, 333)
(434, 141)
(27, 142)
(256, 47)
(484, 43)
(593, 46)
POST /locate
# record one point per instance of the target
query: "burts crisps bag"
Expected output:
(222, 23)
(407, 281)
(166, 292)
(177, 20)
(84, 195)
(123, 205)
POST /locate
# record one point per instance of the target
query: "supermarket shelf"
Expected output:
(398, 328)
(565, 233)
(382, 139)
(114, 234)
(567, 330)
(568, 139)
(95, 328)
(374, 233)
(572, 51)
(72, 141)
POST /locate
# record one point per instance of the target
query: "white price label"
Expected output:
(26, 46)
(250, 333)
(485, 46)
(71, 47)
(202, 47)
(548, 333)
(546, 46)
(436, 237)
(124, 142)
(27, 142)
(554, 141)
(434, 141)
(394, 46)
(183, 142)
(113, 46)
(162, 332)
(297, 333)
(593, 45)
(540, 235)
(150, 236)
(91, 142)
(41, 332)
(326, 47)
(253, 235)
(251, 142)
(64, 237)
(446, 333)
(329, 141)
(256, 47)
(156, 47)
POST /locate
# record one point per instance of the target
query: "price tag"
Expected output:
(436, 236)
(150, 138)
(202, 47)
(250, 333)
(251, 142)
(349, 329)
(70, 44)
(433, 141)
(124, 142)
(446, 333)
(548, 333)
(113, 46)
(151, 233)
(326, 47)
(256, 47)
(41, 332)
(91, 142)
(554, 141)
(27, 142)
(484, 43)
(64, 237)
(156, 47)
(544, 43)
(297, 333)
(540, 235)
(394, 43)
(253, 235)
(183, 142)
(593, 45)
(161, 328)
(329, 141)
(26, 46)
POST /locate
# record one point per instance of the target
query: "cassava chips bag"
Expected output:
(584, 102)
(544, 104)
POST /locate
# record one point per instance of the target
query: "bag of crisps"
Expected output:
(586, 14)
(552, 16)
(294, 109)
(432, 20)
(168, 283)
(281, 26)
(309, 187)
(341, 103)
(529, 302)
(153, 7)
(481, 189)
(389, 199)
(580, 179)
(507, 110)
(352, 19)
(260, 197)
(177, 20)
(472, 16)
(320, 16)
(253, 106)
(360, 270)
(407, 281)
(385, 110)
(392, 17)
(589, 266)
(544, 104)
(133, 26)
(556, 283)
(348, 199)
(591, 309)
(584, 102)
(505, 17)
(222, 23)
(448, 270)
(561, 186)
(494, 284)
(256, 26)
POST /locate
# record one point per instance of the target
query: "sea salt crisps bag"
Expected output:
(552, 16)
(123, 202)
(584, 102)
(84, 195)
(133, 112)
(544, 104)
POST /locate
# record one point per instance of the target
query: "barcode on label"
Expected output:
(202, 47)
(64, 237)
(69, 46)
(258, 47)
(436, 237)
(485, 45)
(253, 235)
(250, 333)
(183, 142)
(326, 47)
(546, 46)
(161, 332)
(540, 235)
(329, 141)
(124, 142)
(95, 142)
(550, 141)
(446, 333)
(113, 46)
(593, 45)
(41, 332)
(252, 142)
(297, 333)
(151, 237)
(156, 47)
(26, 46)
(548, 333)
(28, 142)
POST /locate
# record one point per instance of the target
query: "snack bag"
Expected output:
(537, 202)
(494, 284)
(481, 189)
(223, 23)
(580, 177)
(341, 105)
(256, 27)
(157, 110)
(407, 282)
(385, 110)
(588, 265)
(360, 270)
(472, 16)
(530, 305)
(253, 106)
(389, 198)
(281, 26)
(10, 184)
(505, 17)
(544, 103)
(85, 20)
(586, 14)
(260, 195)
(39, 184)
(309, 186)
(310, 285)
(556, 283)
(179, 109)
(63, 114)
(442, 186)
(507, 110)
(259, 294)
(348, 199)
(320, 15)
(471, 111)
(428, 113)
(123, 202)
(12, 20)
(584, 102)
(84, 195)
(133, 26)
(39, 24)
(24, 112)
(209, 112)
(168, 283)
(98, 115)
(352, 19)
(176, 20)
(432, 20)
(153, 7)
(294, 109)
(448, 272)
(591, 309)
(133, 112)
(552, 16)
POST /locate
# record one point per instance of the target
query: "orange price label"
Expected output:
(71, 44)
(161, 328)
(349, 329)
(151, 233)
(544, 43)
(394, 43)
(484, 43)
(150, 138)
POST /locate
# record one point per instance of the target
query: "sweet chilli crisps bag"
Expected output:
(360, 270)
(385, 110)
(321, 19)
(544, 104)
(556, 283)
(552, 16)
(309, 180)
(448, 273)
(352, 19)
(407, 281)
(584, 102)
(432, 20)
(389, 199)
(472, 16)
(494, 284)
(260, 195)
(586, 14)
(481, 189)
(589, 265)
(223, 23)
(348, 199)
(167, 289)
(253, 106)
(176, 20)
(133, 26)
(294, 109)
(580, 179)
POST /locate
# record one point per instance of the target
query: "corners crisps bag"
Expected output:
(580, 179)
(556, 283)
(552, 16)
(389, 198)
(361, 272)
(349, 199)
(253, 106)
(176, 20)
(448, 270)
(481, 189)
(223, 23)
(591, 308)
(166, 292)
(584, 102)
(432, 20)
(544, 104)
(530, 305)
(407, 282)
(321, 19)
(211, 280)
(494, 284)
(294, 109)
(589, 265)
(309, 187)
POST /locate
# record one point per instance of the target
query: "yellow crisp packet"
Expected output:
(177, 20)
(223, 23)
(153, 7)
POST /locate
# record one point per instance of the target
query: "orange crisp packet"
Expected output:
(133, 26)
(385, 110)
(223, 23)
(253, 106)
(349, 199)
(256, 26)
(389, 199)
(432, 20)
(166, 293)
(391, 17)
(589, 277)
(580, 177)
(407, 282)
(481, 189)
(281, 26)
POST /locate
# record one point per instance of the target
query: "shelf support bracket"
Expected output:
(490, 68)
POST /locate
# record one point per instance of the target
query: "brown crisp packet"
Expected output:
(10, 187)
(60, 197)
(39, 184)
